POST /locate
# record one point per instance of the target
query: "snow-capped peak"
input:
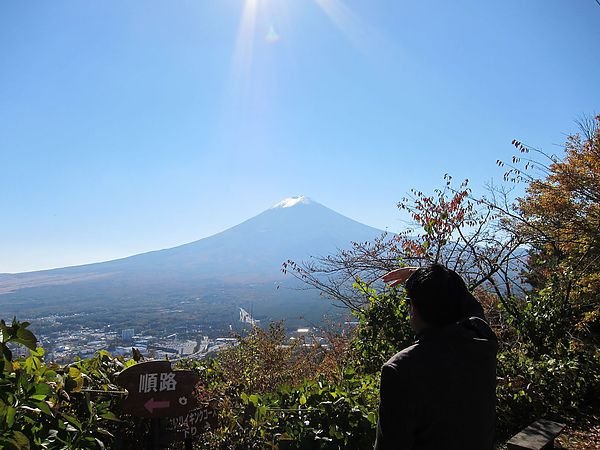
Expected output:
(292, 201)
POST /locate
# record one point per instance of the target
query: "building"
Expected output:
(127, 334)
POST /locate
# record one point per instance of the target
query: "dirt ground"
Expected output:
(582, 432)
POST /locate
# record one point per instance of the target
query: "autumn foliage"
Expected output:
(561, 218)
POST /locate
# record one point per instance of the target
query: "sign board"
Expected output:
(155, 390)
(195, 422)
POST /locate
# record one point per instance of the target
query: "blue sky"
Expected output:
(129, 126)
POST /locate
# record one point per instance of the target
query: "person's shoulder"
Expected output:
(404, 357)
(477, 328)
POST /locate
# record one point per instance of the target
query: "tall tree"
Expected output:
(449, 226)
(560, 218)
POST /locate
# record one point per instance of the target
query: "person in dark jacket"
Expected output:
(440, 393)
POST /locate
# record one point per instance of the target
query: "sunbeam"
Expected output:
(356, 30)
(244, 47)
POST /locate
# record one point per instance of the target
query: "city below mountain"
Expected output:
(206, 280)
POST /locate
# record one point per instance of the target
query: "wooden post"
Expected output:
(155, 434)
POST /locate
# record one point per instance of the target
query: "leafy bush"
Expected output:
(541, 385)
(264, 360)
(383, 328)
(318, 414)
(43, 406)
(321, 415)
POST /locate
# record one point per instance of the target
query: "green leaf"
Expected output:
(42, 389)
(21, 440)
(372, 418)
(109, 415)
(74, 382)
(105, 432)
(39, 352)
(50, 375)
(43, 406)
(27, 338)
(74, 372)
(10, 416)
(33, 364)
(72, 420)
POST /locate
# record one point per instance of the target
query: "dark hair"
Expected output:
(437, 292)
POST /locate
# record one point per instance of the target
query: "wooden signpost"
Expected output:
(156, 391)
(194, 422)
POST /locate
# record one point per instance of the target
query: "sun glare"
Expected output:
(262, 23)
(350, 24)
(244, 47)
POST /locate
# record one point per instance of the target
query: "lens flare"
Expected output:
(272, 36)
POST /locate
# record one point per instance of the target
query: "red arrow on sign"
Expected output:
(151, 405)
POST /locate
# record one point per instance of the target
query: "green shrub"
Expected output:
(316, 415)
(45, 406)
(533, 385)
(383, 329)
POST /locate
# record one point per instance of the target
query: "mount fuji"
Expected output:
(239, 265)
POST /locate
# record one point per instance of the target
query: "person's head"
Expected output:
(436, 294)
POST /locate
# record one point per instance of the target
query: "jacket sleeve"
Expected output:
(398, 410)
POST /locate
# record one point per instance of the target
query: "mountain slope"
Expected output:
(242, 262)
